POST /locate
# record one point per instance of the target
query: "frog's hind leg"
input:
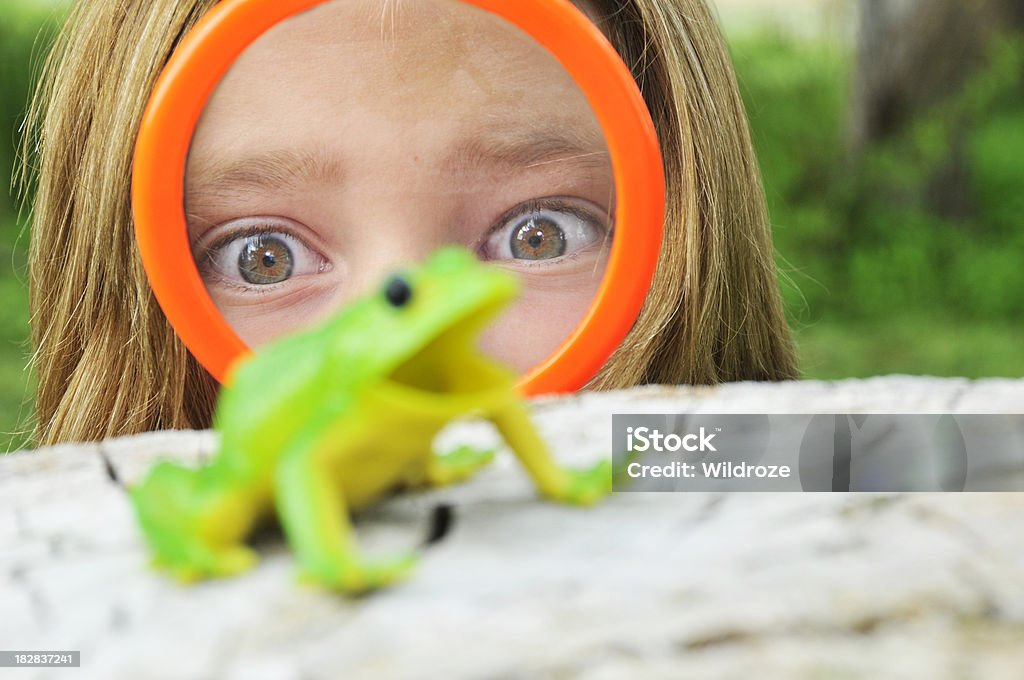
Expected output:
(189, 524)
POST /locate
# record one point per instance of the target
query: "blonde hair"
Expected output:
(714, 313)
(108, 362)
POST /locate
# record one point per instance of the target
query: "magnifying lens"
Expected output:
(295, 152)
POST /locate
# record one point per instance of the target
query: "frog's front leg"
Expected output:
(313, 514)
(578, 487)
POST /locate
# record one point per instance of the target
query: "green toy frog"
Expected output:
(334, 417)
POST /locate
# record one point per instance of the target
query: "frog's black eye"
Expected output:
(398, 291)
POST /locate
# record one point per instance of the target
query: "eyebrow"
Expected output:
(564, 144)
(286, 170)
(274, 170)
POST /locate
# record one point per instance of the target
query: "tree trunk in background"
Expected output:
(913, 54)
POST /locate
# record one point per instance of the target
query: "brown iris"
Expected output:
(265, 260)
(537, 239)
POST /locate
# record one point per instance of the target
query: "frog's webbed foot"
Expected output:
(456, 466)
(195, 561)
(585, 487)
(357, 576)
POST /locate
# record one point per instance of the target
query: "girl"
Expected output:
(109, 364)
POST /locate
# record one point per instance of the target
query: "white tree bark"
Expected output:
(702, 585)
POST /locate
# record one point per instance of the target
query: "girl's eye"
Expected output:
(261, 259)
(545, 232)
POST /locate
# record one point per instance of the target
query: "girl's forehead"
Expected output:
(407, 41)
(381, 72)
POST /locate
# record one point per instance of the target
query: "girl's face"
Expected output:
(362, 135)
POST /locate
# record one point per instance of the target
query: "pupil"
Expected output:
(269, 260)
(535, 240)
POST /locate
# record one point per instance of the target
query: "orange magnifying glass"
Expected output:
(180, 107)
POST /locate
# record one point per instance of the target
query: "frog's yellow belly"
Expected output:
(387, 439)
(375, 465)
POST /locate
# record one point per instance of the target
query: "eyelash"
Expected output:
(262, 229)
(538, 204)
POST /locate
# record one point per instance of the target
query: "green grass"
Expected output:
(831, 350)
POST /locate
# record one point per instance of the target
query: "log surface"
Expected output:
(708, 585)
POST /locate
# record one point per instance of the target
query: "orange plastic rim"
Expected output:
(206, 54)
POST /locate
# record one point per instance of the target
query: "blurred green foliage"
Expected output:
(878, 277)
(25, 31)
